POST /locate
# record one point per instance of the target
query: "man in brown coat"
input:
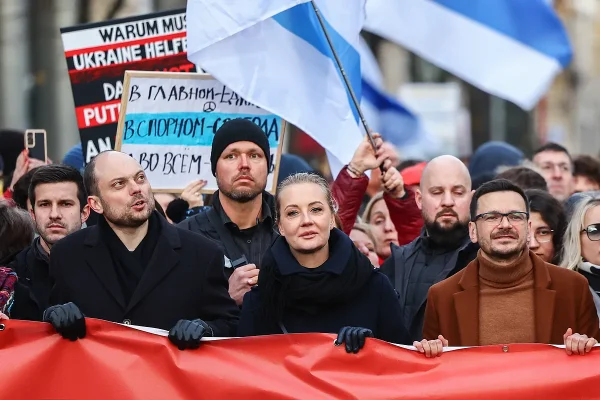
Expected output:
(508, 294)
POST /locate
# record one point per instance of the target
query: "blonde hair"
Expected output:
(571, 254)
(366, 229)
(306, 177)
(366, 217)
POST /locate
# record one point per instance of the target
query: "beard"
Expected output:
(126, 218)
(240, 195)
(503, 254)
(446, 236)
(51, 240)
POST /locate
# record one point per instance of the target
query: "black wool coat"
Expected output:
(184, 280)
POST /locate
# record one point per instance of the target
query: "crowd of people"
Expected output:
(432, 253)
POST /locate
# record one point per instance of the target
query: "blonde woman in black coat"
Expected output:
(313, 278)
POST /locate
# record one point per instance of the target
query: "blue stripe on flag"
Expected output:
(531, 22)
(398, 125)
(302, 21)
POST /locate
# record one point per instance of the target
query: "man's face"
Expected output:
(557, 169)
(501, 237)
(444, 198)
(584, 184)
(57, 211)
(242, 171)
(124, 194)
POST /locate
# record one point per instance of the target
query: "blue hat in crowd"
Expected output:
(74, 157)
(291, 164)
(491, 155)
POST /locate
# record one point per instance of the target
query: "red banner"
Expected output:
(117, 362)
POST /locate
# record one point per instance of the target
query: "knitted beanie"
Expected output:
(238, 130)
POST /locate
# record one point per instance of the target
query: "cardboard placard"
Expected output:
(168, 121)
(97, 56)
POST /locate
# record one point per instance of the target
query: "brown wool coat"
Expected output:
(562, 300)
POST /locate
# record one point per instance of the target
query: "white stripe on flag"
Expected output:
(288, 75)
(482, 56)
(223, 18)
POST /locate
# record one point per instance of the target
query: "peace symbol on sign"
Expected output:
(210, 106)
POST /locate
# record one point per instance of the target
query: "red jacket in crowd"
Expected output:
(349, 193)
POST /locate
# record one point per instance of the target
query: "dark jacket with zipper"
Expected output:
(213, 222)
(415, 267)
(32, 292)
(374, 307)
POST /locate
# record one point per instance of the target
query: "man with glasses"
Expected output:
(507, 294)
(556, 165)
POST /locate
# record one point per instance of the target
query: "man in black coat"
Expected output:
(442, 249)
(136, 268)
(59, 208)
(242, 216)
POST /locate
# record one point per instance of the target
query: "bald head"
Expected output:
(444, 198)
(445, 168)
(108, 161)
(119, 189)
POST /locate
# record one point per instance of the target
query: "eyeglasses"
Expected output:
(593, 232)
(494, 217)
(543, 235)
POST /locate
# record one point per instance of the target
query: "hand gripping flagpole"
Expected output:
(343, 72)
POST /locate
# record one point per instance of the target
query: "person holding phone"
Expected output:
(34, 155)
(241, 217)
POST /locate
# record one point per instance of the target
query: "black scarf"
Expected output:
(130, 265)
(310, 290)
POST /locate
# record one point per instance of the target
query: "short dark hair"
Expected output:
(57, 173)
(552, 147)
(524, 177)
(89, 177)
(553, 214)
(21, 189)
(587, 166)
(496, 185)
(16, 231)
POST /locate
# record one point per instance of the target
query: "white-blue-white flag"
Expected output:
(275, 54)
(510, 48)
(383, 113)
(386, 115)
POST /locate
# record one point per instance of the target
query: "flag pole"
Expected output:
(343, 72)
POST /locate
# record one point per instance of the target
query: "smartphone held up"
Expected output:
(35, 144)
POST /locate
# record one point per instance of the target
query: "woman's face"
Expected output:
(305, 217)
(383, 229)
(590, 249)
(366, 246)
(540, 237)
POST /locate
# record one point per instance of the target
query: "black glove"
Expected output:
(67, 320)
(186, 334)
(354, 337)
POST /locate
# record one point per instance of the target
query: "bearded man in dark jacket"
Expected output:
(443, 248)
(242, 216)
